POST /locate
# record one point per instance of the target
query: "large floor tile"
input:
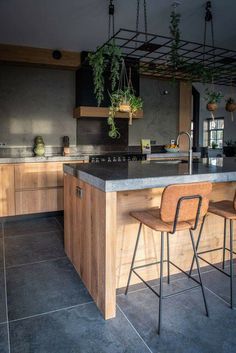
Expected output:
(24, 249)
(78, 330)
(2, 298)
(3, 339)
(185, 329)
(31, 226)
(42, 287)
(220, 284)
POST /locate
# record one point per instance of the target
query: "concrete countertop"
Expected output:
(167, 155)
(15, 160)
(125, 176)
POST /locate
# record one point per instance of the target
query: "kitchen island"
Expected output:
(100, 234)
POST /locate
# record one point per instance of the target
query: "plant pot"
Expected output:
(124, 107)
(212, 107)
(230, 107)
(229, 151)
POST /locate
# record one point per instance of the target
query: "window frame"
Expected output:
(209, 130)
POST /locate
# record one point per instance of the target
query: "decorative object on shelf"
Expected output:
(39, 148)
(146, 146)
(230, 107)
(66, 145)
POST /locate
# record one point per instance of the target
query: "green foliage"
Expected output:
(175, 33)
(214, 145)
(230, 100)
(122, 96)
(100, 60)
(213, 96)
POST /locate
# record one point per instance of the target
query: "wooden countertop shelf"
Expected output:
(100, 112)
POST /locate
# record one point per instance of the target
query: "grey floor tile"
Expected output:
(25, 249)
(185, 329)
(78, 330)
(42, 287)
(1, 253)
(2, 298)
(220, 284)
(3, 339)
(31, 226)
(60, 219)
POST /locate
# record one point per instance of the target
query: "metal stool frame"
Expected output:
(224, 248)
(160, 294)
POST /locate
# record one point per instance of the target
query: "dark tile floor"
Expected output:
(48, 310)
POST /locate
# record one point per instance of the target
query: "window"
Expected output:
(214, 133)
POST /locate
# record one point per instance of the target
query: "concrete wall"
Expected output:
(161, 113)
(36, 101)
(230, 126)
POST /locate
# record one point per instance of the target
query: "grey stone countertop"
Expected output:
(14, 160)
(125, 176)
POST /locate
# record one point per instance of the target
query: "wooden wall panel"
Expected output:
(185, 112)
(7, 190)
(38, 56)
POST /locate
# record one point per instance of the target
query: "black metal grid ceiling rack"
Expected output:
(153, 52)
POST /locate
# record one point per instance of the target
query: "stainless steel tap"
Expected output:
(190, 151)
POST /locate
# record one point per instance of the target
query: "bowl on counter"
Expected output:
(172, 150)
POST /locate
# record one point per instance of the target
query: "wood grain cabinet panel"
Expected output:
(38, 175)
(39, 200)
(7, 191)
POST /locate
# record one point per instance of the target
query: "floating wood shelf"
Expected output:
(101, 112)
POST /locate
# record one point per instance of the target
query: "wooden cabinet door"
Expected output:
(38, 175)
(7, 190)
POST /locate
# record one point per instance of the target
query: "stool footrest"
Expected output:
(211, 264)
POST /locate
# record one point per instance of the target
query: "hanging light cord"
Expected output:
(208, 18)
(145, 17)
(111, 19)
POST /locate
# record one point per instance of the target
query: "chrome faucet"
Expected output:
(190, 151)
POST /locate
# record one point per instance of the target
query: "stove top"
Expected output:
(117, 157)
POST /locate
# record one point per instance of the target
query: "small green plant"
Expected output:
(230, 100)
(230, 143)
(214, 145)
(108, 55)
(212, 96)
(127, 97)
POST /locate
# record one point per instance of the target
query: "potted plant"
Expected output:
(214, 145)
(124, 101)
(229, 148)
(106, 57)
(213, 98)
(230, 105)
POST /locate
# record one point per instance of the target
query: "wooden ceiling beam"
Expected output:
(39, 57)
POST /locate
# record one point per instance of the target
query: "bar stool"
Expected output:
(227, 210)
(183, 207)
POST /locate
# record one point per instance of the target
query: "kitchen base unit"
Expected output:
(100, 234)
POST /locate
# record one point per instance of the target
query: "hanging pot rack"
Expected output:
(152, 51)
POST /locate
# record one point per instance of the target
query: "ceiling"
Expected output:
(83, 24)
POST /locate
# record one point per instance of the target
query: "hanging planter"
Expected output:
(230, 107)
(213, 98)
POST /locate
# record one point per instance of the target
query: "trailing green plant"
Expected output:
(212, 96)
(125, 96)
(100, 60)
(230, 100)
(175, 33)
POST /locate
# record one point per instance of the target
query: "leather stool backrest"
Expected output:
(188, 208)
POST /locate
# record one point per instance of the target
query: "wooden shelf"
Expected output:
(101, 112)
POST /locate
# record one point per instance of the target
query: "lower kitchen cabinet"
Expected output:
(7, 190)
(27, 188)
